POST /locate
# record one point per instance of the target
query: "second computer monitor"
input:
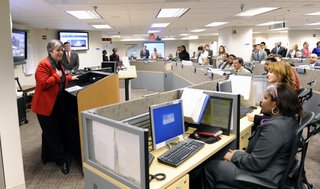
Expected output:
(167, 122)
(110, 66)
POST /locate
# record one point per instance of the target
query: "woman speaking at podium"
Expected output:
(269, 148)
(48, 102)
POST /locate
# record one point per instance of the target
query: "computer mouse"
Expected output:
(211, 140)
(195, 135)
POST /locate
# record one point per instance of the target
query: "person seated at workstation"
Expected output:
(170, 58)
(105, 55)
(155, 54)
(292, 52)
(278, 72)
(225, 61)
(312, 62)
(238, 66)
(144, 53)
(258, 54)
(183, 54)
(268, 151)
(70, 59)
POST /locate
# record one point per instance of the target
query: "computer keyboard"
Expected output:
(180, 152)
(244, 110)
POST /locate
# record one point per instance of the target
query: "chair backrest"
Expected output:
(293, 175)
(305, 94)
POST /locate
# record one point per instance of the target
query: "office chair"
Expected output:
(304, 94)
(249, 66)
(294, 176)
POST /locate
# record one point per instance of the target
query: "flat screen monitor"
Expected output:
(111, 65)
(78, 40)
(217, 114)
(158, 45)
(118, 150)
(224, 86)
(19, 46)
(167, 123)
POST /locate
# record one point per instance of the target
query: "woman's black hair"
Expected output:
(287, 101)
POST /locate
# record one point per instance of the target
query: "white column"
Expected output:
(9, 127)
(237, 40)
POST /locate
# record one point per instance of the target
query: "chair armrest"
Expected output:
(255, 181)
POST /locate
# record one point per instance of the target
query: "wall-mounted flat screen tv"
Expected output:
(19, 46)
(78, 40)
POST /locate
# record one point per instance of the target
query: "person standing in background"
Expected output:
(279, 50)
(47, 103)
(144, 53)
(183, 55)
(70, 59)
(105, 56)
(258, 54)
(115, 57)
(263, 47)
(210, 54)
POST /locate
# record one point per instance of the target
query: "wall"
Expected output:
(271, 38)
(9, 127)
(299, 37)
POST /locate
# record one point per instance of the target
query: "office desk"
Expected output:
(127, 75)
(175, 173)
(25, 90)
(245, 129)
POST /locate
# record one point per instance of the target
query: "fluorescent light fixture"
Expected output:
(159, 25)
(256, 11)
(85, 14)
(172, 12)
(133, 39)
(198, 30)
(184, 34)
(270, 23)
(115, 36)
(214, 24)
(279, 29)
(314, 14)
(168, 38)
(101, 26)
(190, 37)
(256, 32)
(153, 31)
(140, 35)
(314, 24)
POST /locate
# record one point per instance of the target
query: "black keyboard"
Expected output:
(244, 110)
(180, 152)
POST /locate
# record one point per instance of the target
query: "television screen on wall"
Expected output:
(19, 46)
(78, 40)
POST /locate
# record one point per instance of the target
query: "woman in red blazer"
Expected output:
(47, 103)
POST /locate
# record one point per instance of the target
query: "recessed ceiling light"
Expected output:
(256, 11)
(159, 25)
(168, 38)
(85, 14)
(279, 29)
(256, 32)
(314, 14)
(172, 12)
(133, 39)
(313, 24)
(214, 24)
(153, 31)
(191, 37)
(198, 30)
(101, 26)
(184, 34)
(270, 23)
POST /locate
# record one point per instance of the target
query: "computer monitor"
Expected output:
(109, 64)
(118, 150)
(217, 114)
(224, 86)
(167, 123)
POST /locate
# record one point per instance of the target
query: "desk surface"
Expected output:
(27, 88)
(245, 124)
(173, 174)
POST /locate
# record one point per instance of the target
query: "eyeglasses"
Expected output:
(158, 177)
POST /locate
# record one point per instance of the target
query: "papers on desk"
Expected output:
(74, 88)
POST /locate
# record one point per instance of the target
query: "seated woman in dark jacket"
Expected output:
(269, 148)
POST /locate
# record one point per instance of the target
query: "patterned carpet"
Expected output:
(49, 176)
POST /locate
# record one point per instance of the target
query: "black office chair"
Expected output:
(305, 94)
(294, 176)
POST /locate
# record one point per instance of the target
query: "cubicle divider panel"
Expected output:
(150, 65)
(143, 81)
(258, 69)
(209, 85)
(101, 93)
(135, 107)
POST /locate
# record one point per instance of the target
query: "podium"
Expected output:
(92, 90)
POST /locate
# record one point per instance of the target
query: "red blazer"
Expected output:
(47, 87)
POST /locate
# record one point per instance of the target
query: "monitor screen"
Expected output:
(167, 122)
(78, 40)
(109, 64)
(19, 45)
(218, 114)
(118, 150)
(158, 45)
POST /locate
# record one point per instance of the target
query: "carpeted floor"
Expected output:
(49, 176)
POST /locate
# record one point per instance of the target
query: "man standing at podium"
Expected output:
(70, 59)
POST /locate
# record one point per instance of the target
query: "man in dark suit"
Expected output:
(279, 50)
(70, 59)
(144, 53)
